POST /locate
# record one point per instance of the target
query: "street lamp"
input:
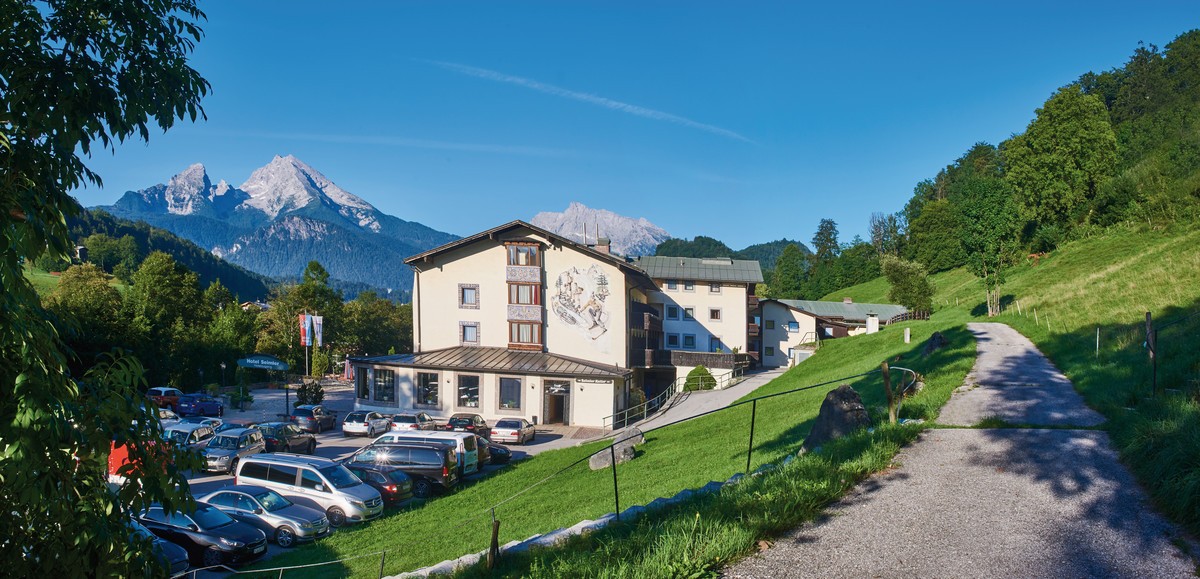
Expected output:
(223, 375)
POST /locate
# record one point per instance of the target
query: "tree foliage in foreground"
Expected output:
(76, 77)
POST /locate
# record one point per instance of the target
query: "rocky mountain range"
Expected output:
(629, 236)
(285, 215)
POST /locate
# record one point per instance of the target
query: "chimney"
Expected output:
(847, 300)
(603, 244)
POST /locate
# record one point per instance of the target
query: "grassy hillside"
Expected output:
(674, 458)
(1101, 288)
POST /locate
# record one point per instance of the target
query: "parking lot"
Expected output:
(269, 404)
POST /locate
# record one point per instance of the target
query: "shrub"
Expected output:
(699, 379)
(310, 392)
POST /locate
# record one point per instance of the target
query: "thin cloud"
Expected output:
(587, 98)
(404, 142)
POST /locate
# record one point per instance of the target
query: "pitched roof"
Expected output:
(511, 225)
(701, 268)
(848, 311)
(499, 360)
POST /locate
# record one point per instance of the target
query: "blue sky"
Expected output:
(747, 122)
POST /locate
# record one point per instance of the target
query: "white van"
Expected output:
(313, 481)
(468, 452)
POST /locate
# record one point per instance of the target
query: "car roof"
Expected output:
(287, 458)
(248, 489)
(463, 415)
(187, 426)
(275, 423)
(413, 444)
(307, 406)
(236, 431)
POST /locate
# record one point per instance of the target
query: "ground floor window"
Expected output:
(510, 393)
(770, 351)
(427, 389)
(361, 387)
(385, 386)
(468, 391)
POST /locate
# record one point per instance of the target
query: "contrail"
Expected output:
(587, 98)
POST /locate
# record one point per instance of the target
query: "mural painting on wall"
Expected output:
(578, 300)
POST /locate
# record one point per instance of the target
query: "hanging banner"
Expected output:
(305, 330)
(316, 323)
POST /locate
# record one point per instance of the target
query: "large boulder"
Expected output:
(623, 445)
(841, 413)
(935, 342)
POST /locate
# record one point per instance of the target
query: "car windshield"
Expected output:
(272, 501)
(224, 443)
(303, 412)
(356, 417)
(166, 414)
(404, 419)
(271, 430)
(142, 531)
(340, 477)
(460, 420)
(210, 518)
(508, 424)
(177, 436)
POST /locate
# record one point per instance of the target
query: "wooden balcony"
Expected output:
(752, 330)
(751, 302)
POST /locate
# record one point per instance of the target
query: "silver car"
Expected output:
(227, 448)
(365, 423)
(282, 520)
(188, 436)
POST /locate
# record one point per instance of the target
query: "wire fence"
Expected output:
(730, 446)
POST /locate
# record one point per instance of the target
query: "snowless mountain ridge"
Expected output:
(631, 237)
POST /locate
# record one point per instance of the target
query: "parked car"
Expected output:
(173, 557)
(464, 445)
(210, 536)
(226, 449)
(473, 423)
(200, 405)
(287, 437)
(313, 481)
(392, 483)
(513, 430)
(500, 453)
(167, 417)
(365, 423)
(165, 397)
(417, 421)
(314, 418)
(189, 436)
(483, 451)
(281, 520)
(215, 423)
(432, 466)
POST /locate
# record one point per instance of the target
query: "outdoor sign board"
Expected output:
(263, 362)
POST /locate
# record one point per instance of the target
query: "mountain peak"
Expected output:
(580, 223)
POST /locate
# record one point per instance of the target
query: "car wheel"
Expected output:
(337, 517)
(212, 557)
(312, 446)
(233, 467)
(422, 488)
(285, 536)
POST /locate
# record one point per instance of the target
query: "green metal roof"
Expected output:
(701, 268)
(852, 312)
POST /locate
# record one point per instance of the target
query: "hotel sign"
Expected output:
(593, 381)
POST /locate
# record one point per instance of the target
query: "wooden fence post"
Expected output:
(891, 396)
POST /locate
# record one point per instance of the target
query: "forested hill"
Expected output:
(764, 253)
(1117, 146)
(119, 246)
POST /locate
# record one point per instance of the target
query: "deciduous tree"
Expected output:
(989, 234)
(75, 77)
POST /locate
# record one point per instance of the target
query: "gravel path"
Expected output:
(991, 502)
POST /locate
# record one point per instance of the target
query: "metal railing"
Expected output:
(650, 407)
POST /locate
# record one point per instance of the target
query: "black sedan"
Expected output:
(210, 536)
(287, 437)
(472, 423)
(173, 557)
(393, 485)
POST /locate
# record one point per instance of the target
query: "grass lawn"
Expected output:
(686, 455)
